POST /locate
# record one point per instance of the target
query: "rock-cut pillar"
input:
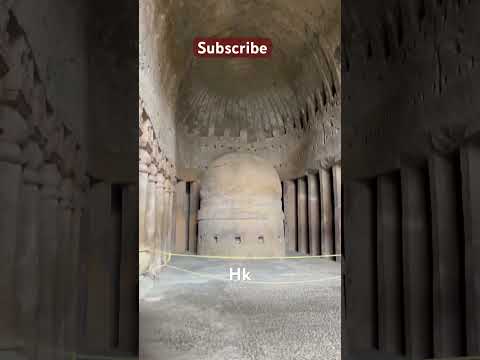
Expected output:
(313, 214)
(302, 220)
(150, 219)
(290, 206)
(448, 270)
(470, 167)
(26, 254)
(165, 218)
(47, 255)
(12, 132)
(158, 251)
(62, 286)
(192, 217)
(337, 208)
(326, 212)
(171, 212)
(142, 207)
(72, 308)
(181, 216)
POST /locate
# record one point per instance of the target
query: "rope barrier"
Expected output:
(208, 276)
(170, 254)
(76, 356)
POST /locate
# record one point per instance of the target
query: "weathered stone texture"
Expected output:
(241, 210)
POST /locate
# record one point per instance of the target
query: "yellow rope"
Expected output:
(170, 254)
(100, 357)
(208, 276)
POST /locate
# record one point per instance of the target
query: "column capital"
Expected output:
(156, 155)
(47, 122)
(39, 106)
(13, 132)
(161, 180)
(50, 178)
(68, 152)
(79, 168)
(78, 199)
(66, 193)
(145, 132)
(32, 158)
(144, 160)
(84, 184)
(152, 171)
(53, 134)
(32, 155)
(169, 185)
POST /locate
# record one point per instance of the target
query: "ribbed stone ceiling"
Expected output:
(212, 95)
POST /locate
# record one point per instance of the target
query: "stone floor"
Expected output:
(289, 311)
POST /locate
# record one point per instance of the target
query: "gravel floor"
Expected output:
(290, 310)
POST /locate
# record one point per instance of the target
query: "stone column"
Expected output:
(142, 207)
(360, 267)
(171, 214)
(326, 212)
(192, 216)
(389, 264)
(289, 207)
(164, 221)
(150, 219)
(337, 207)
(417, 271)
(98, 321)
(63, 266)
(12, 132)
(128, 322)
(448, 274)
(470, 161)
(167, 222)
(83, 273)
(313, 214)
(80, 187)
(181, 208)
(302, 221)
(72, 308)
(26, 255)
(48, 255)
(159, 228)
(81, 235)
(70, 254)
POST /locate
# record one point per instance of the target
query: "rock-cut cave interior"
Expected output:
(239, 168)
(209, 204)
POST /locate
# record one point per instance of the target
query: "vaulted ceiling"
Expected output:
(212, 95)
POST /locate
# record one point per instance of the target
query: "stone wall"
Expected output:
(68, 281)
(157, 101)
(418, 64)
(312, 207)
(112, 127)
(43, 190)
(157, 180)
(238, 216)
(285, 109)
(306, 143)
(410, 156)
(158, 144)
(57, 36)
